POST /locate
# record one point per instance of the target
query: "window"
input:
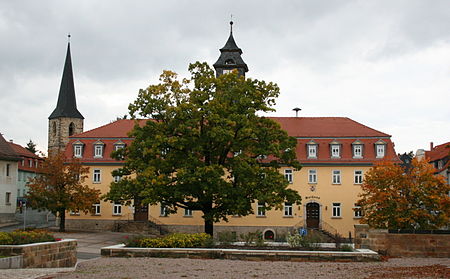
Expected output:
(98, 151)
(261, 210)
(23, 162)
(118, 146)
(312, 151)
(357, 210)
(96, 208)
(335, 151)
(187, 212)
(312, 176)
(440, 164)
(74, 212)
(358, 176)
(117, 209)
(8, 198)
(288, 175)
(227, 71)
(163, 211)
(30, 163)
(380, 150)
(71, 129)
(77, 150)
(117, 178)
(336, 209)
(97, 176)
(336, 177)
(287, 209)
(7, 169)
(357, 151)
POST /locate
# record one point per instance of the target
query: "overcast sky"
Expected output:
(385, 64)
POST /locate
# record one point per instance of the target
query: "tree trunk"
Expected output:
(209, 227)
(62, 221)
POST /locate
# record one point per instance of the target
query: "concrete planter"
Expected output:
(238, 254)
(40, 255)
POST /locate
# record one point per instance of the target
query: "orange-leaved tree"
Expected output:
(394, 197)
(59, 187)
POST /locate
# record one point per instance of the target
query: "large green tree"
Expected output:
(205, 148)
(405, 197)
(59, 187)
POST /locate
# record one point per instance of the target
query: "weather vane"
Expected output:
(231, 23)
(68, 37)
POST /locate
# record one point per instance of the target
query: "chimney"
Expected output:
(296, 111)
(431, 146)
(11, 141)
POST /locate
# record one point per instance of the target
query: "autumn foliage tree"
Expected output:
(397, 198)
(59, 187)
(205, 148)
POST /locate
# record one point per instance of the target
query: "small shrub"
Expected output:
(308, 241)
(26, 237)
(280, 238)
(251, 237)
(5, 238)
(176, 240)
(226, 237)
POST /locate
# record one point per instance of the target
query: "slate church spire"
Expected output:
(230, 57)
(65, 120)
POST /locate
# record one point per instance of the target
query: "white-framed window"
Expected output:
(74, 212)
(117, 209)
(227, 71)
(358, 177)
(261, 211)
(30, 163)
(118, 146)
(8, 198)
(440, 164)
(312, 176)
(335, 151)
(312, 151)
(381, 148)
(187, 212)
(117, 178)
(287, 209)
(336, 209)
(336, 177)
(288, 175)
(98, 151)
(96, 209)
(78, 151)
(357, 151)
(97, 176)
(357, 211)
(163, 211)
(23, 162)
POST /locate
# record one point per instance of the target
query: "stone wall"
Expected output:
(44, 255)
(402, 244)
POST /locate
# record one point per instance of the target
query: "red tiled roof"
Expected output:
(116, 129)
(23, 151)
(6, 151)
(438, 152)
(326, 127)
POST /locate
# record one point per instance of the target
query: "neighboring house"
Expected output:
(439, 157)
(335, 153)
(8, 181)
(28, 167)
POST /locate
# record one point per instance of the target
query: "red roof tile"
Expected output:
(438, 152)
(22, 151)
(6, 151)
(326, 127)
(116, 129)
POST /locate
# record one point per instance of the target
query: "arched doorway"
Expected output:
(312, 215)
(269, 235)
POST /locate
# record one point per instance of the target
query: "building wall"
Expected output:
(8, 185)
(323, 192)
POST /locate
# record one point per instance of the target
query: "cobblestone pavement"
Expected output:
(127, 268)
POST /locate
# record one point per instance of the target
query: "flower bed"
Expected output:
(19, 237)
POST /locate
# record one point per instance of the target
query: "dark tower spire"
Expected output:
(67, 104)
(230, 57)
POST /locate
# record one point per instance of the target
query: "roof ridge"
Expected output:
(368, 127)
(88, 131)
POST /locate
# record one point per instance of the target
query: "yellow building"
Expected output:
(335, 153)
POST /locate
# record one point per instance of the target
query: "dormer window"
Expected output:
(98, 149)
(77, 149)
(357, 149)
(380, 148)
(335, 149)
(311, 149)
(119, 145)
(230, 62)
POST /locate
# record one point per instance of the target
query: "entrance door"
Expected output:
(312, 215)
(141, 212)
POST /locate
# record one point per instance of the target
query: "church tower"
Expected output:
(65, 120)
(230, 57)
